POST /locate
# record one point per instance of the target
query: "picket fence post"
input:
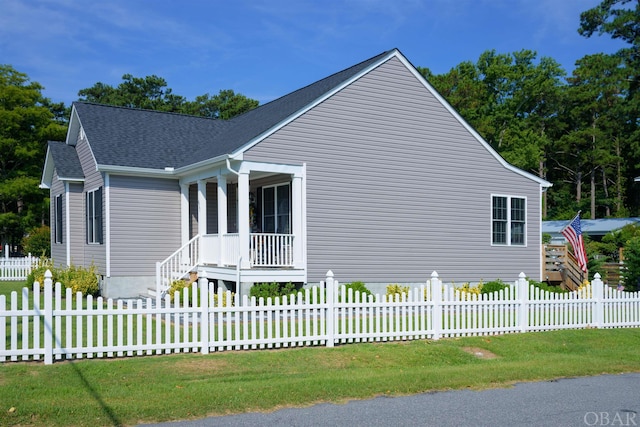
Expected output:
(48, 318)
(523, 297)
(330, 287)
(436, 296)
(203, 288)
(597, 293)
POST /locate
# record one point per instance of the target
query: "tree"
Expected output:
(621, 20)
(620, 23)
(149, 93)
(590, 151)
(225, 105)
(27, 124)
(152, 93)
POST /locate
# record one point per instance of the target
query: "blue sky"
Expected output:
(265, 49)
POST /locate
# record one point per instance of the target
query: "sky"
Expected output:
(264, 49)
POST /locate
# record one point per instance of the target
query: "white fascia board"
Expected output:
(311, 105)
(248, 166)
(543, 183)
(134, 171)
(203, 165)
(74, 127)
(47, 171)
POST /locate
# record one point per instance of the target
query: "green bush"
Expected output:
(272, 290)
(357, 287)
(37, 273)
(79, 279)
(38, 242)
(546, 287)
(632, 263)
(494, 286)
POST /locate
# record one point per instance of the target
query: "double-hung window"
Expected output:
(57, 223)
(509, 224)
(276, 208)
(94, 216)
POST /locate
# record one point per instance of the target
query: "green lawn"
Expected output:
(186, 386)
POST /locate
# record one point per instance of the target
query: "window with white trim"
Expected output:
(276, 208)
(509, 225)
(94, 216)
(57, 221)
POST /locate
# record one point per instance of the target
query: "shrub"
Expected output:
(396, 289)
(272, 290)
(83, 280)
(546, 287)
(494, 286)
(179, 285)
(79, 279)
(357, 287)
(37, 273)
(631, 273)
(466, 290)
(38, 242)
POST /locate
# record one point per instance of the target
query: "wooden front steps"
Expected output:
(561, 268)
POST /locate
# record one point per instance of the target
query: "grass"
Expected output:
(7, 287)
(188, 386)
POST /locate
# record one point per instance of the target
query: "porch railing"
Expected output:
(271, 250)
(178, 265)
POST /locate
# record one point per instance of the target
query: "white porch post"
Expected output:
(184, 213)
(297, 213)
(202, 207)
(222, 213)
(243, 218)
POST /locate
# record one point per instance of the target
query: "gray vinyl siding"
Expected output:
(92, 254)
(398, 188)
(145, 223)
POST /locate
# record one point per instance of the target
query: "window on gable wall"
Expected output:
(57, 223)
(94, 216)
(508, 220)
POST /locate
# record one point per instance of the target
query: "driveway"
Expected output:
(606, 400)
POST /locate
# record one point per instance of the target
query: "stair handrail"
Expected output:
(175, 264)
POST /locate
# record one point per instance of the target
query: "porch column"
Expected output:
(184, 214)
(243, 218)
(222, 214)
(202, 207)
(297, 213)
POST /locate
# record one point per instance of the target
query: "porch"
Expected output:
(241, 224)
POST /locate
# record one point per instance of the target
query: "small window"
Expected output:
(94, 216)
(57, 223)
(508, 221)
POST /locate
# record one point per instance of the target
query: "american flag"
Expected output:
(573, 233)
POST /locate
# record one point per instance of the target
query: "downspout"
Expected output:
(229, 167)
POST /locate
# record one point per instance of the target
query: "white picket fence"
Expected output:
(53, 324)
(17, 268)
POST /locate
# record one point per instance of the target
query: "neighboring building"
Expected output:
(594, 228)
(369, 173)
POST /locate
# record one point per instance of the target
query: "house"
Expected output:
(369, 173)
(594, 228)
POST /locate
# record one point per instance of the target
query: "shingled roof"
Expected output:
(66, 160)
(130, 137)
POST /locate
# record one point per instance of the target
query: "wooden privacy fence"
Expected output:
(17, 268)
(53, 324)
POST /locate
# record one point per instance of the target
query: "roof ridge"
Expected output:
(146, 110)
